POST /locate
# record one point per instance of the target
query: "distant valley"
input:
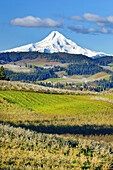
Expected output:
(61, 70)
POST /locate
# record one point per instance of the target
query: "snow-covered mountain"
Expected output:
(56, 42)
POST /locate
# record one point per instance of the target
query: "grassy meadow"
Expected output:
(54, 131)
(100, 75)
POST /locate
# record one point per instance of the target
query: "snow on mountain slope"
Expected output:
(56, 42)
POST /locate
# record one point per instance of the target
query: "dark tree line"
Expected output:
(104, 61)
(49, 84)
(59, 57)
(56, 57)
(102, 84)
(84, 69)
(42, 74)
(2, 73)
(39, 74)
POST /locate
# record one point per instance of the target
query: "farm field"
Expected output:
(58, 104)
(111, 64)
(48, 131)
(101, 75)
(41, 62)
(76, 78)
(17, 68)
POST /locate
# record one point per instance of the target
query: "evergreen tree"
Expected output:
(2, 73)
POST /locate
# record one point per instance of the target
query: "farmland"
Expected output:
(77, 78)
(54, 131)
(57, 104)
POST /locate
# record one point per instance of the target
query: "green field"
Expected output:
(48, 131)
(111, 64)
(79, 112)
(57, 104)
(52, 80)
(100, 75)
(76, 78)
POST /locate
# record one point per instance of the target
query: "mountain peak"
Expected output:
(54, 35)
(56, 42)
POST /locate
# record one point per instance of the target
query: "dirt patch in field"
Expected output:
(33, 60)
(39, 61)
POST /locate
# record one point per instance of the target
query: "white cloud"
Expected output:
(104, 31)
(76, 17)
(93, 18)
(84, 30)
(110, 19)
(91, 30)
(31, 21)
(100, 24)
(100, 21)
(79, 29)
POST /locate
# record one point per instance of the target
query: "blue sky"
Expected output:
(89, 23)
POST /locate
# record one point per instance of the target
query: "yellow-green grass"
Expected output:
(68, 115)
(25, 149)
(100, 75)
(52, 80)
(76, 118)
(42, 63)
(107, 77)
(111, 64)
(56, 80)
(61, 73)
(75, 76)
(56, 104)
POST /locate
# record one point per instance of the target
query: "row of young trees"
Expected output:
(98, 85)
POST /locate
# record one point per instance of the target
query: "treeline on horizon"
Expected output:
(43, 74)
(84, 69)
(82, 65)
(101, 85)
(38, 74)
(54, 57)
(97, 85)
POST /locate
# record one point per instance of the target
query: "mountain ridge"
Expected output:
(56, 42)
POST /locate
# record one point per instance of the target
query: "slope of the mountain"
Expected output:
(56, 42)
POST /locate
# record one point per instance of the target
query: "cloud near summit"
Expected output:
(100, 21)
(105, 24)
(83, 30)
(31, 21)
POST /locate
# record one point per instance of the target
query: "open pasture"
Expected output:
(81, 115)
(31, 122)
(58, 104)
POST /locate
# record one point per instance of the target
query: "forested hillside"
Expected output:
(38, 74)
(85, 68)
(59, 57)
